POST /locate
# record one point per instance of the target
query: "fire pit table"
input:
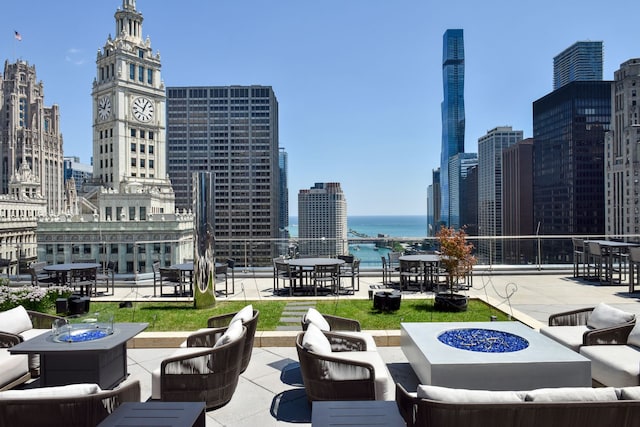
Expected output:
(82, 354)
(490, 356)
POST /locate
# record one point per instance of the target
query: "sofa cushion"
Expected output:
(367, 337)
(613, 365)
(233, 332)
(629, 393)
(315, 317)
(15, 320)
(604, 316)
(459, 395)
(634, 336)
(384, 384)
(315, 341)
(12, 366)
(72, 390)
(244, 315)
(568, 336)
(572, 394)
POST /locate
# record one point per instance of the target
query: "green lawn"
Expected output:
(165, 316)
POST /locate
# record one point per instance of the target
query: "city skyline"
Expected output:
(358, 81)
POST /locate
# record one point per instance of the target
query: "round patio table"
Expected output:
(305, 266)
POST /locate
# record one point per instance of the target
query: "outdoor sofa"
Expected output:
(550, 407)
(602, 324)
(76, 405)
(16, 326)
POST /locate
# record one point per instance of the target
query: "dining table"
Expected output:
(305, 266)
(64, 272)
(612, 249)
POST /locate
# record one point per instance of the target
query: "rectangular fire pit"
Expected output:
(543, 363)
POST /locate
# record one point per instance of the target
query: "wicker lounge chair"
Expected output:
(70, 410)
(208, 337)
(200, 374)
(347, 372)
(337, 325)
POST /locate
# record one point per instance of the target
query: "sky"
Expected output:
(358, 82)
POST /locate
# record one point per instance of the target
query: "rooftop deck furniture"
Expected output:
(562, 407)
(360, 413)
(336, 324)
(588, 326)
(77, 405)
(202, 374)
(168, 414)
(335, 366)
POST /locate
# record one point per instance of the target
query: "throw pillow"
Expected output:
(244, 315)
(15, 320)
(634, 336)
(459, 395)
(604, 316)
(73, 390)
(572, 394)
(630, 393)
(233, 332)
(315, 341)
(314, 316)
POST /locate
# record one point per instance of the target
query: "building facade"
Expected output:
(459, 166)
(30, 133)
(80, 172)
(453, 115)
(283, 167)
(322, 220)
(569, 127)
(490, 181)
(622, 154)
(231, 131)
(582, 61)
(517, 202)
(129, 216)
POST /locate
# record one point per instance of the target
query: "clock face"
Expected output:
(104, 108)
(142, 109)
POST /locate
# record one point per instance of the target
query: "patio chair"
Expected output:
(588, 326)
(172, 277)
(106, 273)
(85, 279)
(41, 277)
(207, 337)
(201, 374)
(634, 267)
(334, 367)
(221, 272)
(326, 277)
(337, 325)
(411, 275)
(351, 270)
(156, 276)
(579, 257)
(283, 271)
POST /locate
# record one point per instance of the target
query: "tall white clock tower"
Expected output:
(129, 144)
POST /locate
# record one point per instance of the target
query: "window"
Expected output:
(140, 53)
(141, 163)
(107, 213)
(143, 213)
(132, 71)
(140, 73)
(141, 133)
(150, 134)
(119, 212)
(132, 213)
(133, 147)
(150, 76)
(151, 149)
(142, 148)
(150, 163)
(133, 133)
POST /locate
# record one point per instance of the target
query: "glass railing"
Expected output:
(136, 257)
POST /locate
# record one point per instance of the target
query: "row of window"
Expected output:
(142, 134)
(142, 163)
(141, 148)
(140, 75)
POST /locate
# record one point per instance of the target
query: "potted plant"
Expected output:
(457, 261)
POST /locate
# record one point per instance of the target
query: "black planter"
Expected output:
(451, 302)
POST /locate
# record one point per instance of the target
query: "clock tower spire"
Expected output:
(129, 142)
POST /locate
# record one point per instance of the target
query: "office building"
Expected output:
(622, 154)
(490, 147)
(132, 205)
(231, 131)
(582, 61)
(80, 172)
(453, 117)
(434, 200)
(569, 127)
(469, 207)
(30, 134)
(283, 209)
(517, 202)
(459, 166)
(322, 220)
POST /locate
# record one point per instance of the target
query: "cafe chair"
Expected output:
(351, 270)
(221, 272)
(171, 277)
(282, 271)
(41, 277)
(106, 274)
(326, 277)
(156, 276)
(579, 257)
(411, 275)
(85, 279)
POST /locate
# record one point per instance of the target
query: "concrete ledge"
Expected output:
(173, 339)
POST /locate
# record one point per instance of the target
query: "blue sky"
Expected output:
(359, 82)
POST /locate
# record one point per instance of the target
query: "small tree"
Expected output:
(455, 254)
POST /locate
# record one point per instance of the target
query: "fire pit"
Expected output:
(483, 340)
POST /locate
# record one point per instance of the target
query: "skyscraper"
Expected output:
(30, 138)
(569, 127)
(322, 220)
(490, 147)
(582, 61)
(453, 119)
(233, 132)
(283, 210)
(459, 165)
(622, 154)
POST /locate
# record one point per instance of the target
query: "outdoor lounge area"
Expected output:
(272, 382)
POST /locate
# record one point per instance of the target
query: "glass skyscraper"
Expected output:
(582, 61)
(453, 122)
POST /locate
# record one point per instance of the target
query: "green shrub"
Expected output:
(32, 297)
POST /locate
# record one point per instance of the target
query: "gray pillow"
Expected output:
(459, 395)
(604, 316)
(572, 394)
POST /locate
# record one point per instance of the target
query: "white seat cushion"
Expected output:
(72, 390)
(12, 366)
(15, 320)
(32, 333)
(384, 384)
(457, 395)
(315, 317)
(572, 394)
(634, 335)
(569, 336)
(604, 316)
(315, 341)
(368, 338)
(613, 365)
